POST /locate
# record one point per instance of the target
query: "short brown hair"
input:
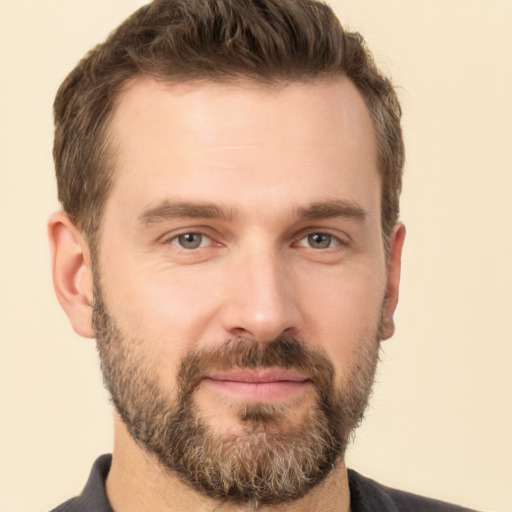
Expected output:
(268, 41)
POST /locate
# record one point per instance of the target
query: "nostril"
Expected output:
(240, 332)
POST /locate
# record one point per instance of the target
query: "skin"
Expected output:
(263, 156)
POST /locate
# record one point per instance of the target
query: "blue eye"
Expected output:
(319, 241)
(191, 240)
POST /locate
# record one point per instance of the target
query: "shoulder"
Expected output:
(368, 495)
(93, 498)
(72, 505)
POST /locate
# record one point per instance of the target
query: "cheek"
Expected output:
(167, 311)
(345, 316)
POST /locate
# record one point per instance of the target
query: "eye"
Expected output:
(319, 241)
(191, 240)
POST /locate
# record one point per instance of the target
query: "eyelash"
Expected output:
(175, 239)
(333, 240)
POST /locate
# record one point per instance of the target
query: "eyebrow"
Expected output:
(198, 210)
(184, 209)
(331, 209)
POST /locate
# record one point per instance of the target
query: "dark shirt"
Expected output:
(365, 495)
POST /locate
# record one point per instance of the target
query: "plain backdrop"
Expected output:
(440, 422)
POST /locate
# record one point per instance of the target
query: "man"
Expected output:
(229, 173)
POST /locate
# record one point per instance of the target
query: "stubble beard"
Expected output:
(268, 458)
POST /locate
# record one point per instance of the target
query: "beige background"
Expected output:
(441, 418)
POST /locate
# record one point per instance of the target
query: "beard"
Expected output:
(276, 453)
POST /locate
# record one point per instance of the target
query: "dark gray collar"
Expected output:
(366, 495)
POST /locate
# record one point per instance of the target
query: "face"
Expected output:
(241, 286)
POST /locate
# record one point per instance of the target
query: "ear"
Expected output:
(72, 273)
(393, 280)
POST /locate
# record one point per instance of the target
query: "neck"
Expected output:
(136, 482)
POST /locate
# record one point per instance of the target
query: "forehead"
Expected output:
(294, 142)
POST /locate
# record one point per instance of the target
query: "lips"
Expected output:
(262, 385)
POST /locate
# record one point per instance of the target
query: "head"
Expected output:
(230, 174)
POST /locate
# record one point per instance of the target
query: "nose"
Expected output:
(261, 301)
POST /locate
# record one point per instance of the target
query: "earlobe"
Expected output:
(393, 280)
(72, 273)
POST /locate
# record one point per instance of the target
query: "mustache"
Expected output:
(285, 351)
